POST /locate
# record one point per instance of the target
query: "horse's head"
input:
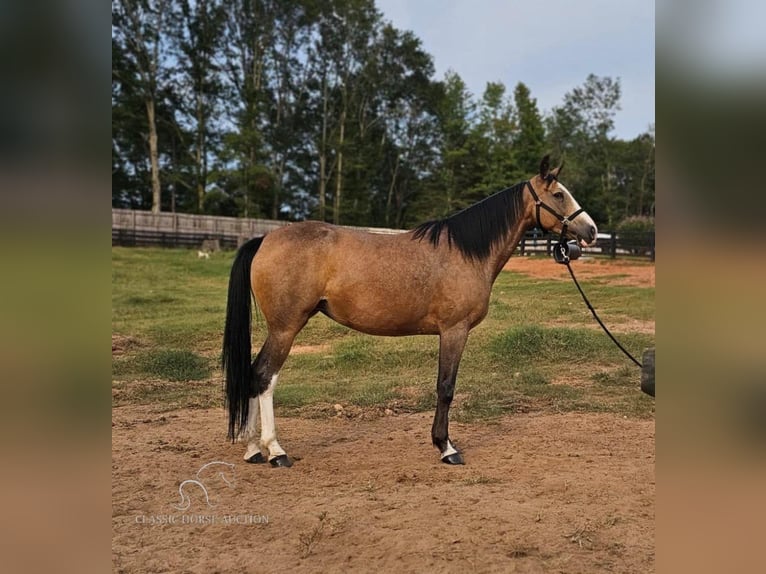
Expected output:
(555, 209)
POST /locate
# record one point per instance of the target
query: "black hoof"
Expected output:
(454, 458)
(257, 458)
(281, 460)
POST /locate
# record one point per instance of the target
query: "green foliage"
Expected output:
(611, 178)
(636, 224)
(218, 202)
(632, 233)
(529, 139)
(301, 109)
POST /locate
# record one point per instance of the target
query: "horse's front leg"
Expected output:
(451, 345)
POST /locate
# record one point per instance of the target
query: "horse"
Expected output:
(433, 280)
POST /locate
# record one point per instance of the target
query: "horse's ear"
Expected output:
(545, 166)
(557, 171)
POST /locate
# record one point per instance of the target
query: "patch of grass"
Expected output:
(137, 300)
(168, 364)
(624, 376)
(524, 391)
(353, 353)
(534, 344)
(616, 390)
(167, 395)
(372, 395)
(487, 402)
(424, 401)
(532, 378)
(294, 395)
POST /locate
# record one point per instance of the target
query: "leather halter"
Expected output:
(565, 221)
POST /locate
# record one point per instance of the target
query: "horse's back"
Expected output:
(317, 252)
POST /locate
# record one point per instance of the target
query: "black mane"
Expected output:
(477, 228)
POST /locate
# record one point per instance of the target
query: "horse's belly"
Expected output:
(380, 316)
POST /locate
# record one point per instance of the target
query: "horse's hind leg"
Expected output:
(253, 430)
(265, 371)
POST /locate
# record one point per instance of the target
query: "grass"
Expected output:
(169, 364)
(307, 541)
(536, 350)
(530, 344)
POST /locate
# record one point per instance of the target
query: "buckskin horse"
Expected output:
(433, 280)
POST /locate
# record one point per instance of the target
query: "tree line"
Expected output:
(320, 109)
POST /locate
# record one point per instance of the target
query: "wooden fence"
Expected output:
(142, 228)
(132, 228)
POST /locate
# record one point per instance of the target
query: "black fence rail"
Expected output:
(151, 238)
(612, 244)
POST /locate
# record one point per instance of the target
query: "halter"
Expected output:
(563, 254)
(565, 221)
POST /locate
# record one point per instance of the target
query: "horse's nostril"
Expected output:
(592, 232)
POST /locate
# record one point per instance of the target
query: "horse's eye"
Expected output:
(559, 195)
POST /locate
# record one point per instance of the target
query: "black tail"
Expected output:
(237, 350)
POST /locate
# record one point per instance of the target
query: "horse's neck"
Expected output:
(502, 253)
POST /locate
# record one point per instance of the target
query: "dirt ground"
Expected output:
(639, 272)
(542, 492)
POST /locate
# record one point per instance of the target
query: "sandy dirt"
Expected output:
(618, 272)
(540, 492)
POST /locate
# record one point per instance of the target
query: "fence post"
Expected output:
(613, 246)
(523, 244)
(651, 241)
(548, 245)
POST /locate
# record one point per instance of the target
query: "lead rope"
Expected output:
(593, 311)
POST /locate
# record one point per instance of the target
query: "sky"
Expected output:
(551, 46)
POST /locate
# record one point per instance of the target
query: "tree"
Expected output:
(197, 42)
(129, 157)
(284, 129)
(249, 30)
(132, 175)
(529, 140)
(300, 108)
(634, 176)
(138, 28)
(579, 131)
(408, 101)
(494, 140)
(447, 188)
